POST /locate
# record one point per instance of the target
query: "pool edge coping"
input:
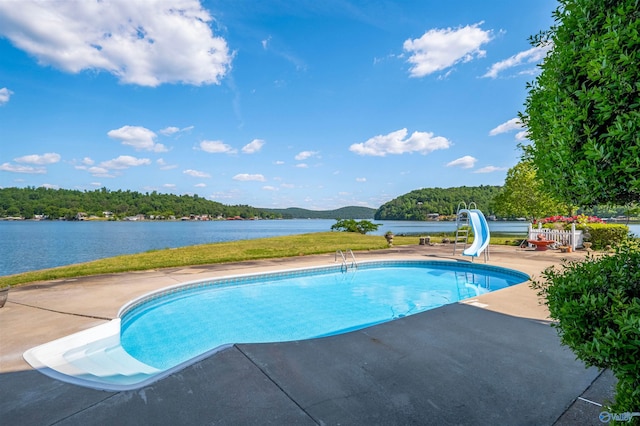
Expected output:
(185, 286)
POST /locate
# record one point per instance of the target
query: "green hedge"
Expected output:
(603, 234)
(596, 306)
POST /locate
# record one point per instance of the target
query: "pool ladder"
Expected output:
(343, 256)
(462, 226)
(468, 280)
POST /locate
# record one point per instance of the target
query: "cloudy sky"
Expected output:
(275, 103)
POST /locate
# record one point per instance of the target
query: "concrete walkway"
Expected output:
(490, 360)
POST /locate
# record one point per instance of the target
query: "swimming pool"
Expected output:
(166, 330)
(170, 327)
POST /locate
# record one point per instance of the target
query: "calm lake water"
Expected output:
(27, 245)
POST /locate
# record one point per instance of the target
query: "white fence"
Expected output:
(571, 238)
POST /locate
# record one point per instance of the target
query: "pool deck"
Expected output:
(489, 360)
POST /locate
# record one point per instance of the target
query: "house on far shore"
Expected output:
(433, 216)
(108, 215)
(81, 216)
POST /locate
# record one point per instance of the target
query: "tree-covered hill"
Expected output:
(350, 212)
(64, 203)
(416, 205)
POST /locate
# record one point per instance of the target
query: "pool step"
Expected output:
(91, 358)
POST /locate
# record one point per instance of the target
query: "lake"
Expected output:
(32, 245)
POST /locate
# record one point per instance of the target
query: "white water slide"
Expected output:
(481, 233)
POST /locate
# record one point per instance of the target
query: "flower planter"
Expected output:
(389, 238)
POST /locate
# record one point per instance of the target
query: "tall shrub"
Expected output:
(583, 118)
(596, 308)
(582, 111)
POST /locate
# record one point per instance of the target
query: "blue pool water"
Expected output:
(171, 327)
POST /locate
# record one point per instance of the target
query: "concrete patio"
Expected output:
(489, 360)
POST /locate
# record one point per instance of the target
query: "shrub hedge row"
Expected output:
(603, 235)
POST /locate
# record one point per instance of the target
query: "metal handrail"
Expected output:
(354, 263)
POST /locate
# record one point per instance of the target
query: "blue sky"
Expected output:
(275, 103)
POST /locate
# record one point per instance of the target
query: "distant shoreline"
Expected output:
(99, 219)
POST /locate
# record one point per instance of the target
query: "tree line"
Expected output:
(50, 203)
(349, 212)
(508, 202)
(420, 203)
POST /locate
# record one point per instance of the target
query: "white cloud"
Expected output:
(196, 173)
(439, 49)
(533, 55)
(465, 162)
(124, 162)
(5, 95)
(302, 165)
(247, 177)
(270, 188)
(98, 171)
(253, 146)
(138, 137)
(147, 43)
(216, 147)
(398, 143)
(507, 126)
(40, 160)
(164, 165)
(361, 179)
(171, 130)
(200, 185)
(49, 186)
(489, 169)
(169, 185)
(306, 154)
(168, 131)
(278, 162)
(7, 167)
(35, 159)
(284, 53)
(87, 161)
(224, 195)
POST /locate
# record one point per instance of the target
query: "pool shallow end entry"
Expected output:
(96, 358)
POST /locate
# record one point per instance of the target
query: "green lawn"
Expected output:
(234, 251)
(206, 254)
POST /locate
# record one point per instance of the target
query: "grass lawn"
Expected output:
(233, 251)
(206, 254)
